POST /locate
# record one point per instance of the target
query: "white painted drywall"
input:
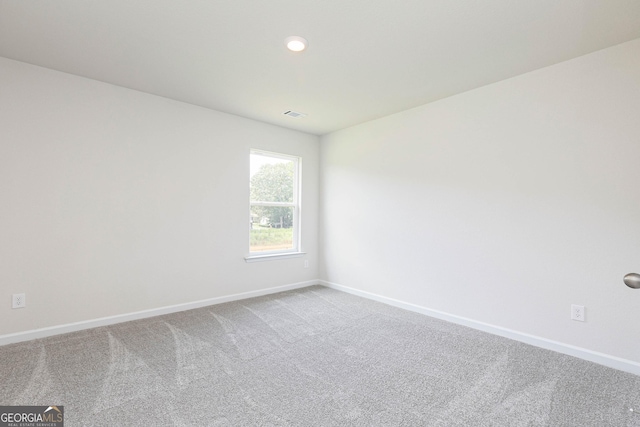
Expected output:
(115, 201)
(505, 204)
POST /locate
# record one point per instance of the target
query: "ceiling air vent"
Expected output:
(294, 114)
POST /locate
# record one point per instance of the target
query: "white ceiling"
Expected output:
(366, 58)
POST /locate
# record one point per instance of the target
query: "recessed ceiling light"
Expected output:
(296, 44)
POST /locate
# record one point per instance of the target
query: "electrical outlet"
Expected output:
(306, 263)
(19, 301)
(577, 312)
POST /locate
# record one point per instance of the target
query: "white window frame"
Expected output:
(296, 205)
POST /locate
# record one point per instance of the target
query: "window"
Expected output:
(275, 204)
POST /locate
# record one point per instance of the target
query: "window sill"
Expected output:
(272, 257)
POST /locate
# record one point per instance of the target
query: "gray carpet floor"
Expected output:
(309, 357)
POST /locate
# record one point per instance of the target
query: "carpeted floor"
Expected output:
(310, 357)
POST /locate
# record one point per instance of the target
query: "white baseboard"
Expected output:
(582, 353)
(105, 321)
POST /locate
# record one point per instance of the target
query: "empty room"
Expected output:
(336, 213)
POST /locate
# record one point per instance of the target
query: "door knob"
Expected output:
(632, 280)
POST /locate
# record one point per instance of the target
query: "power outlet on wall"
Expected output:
(19, 301)
(577, 312)
(306, 263)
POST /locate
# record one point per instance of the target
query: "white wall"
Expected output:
(504, 205)
(115, 201)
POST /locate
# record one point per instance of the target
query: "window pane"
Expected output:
(272, 179)
(271, 228)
